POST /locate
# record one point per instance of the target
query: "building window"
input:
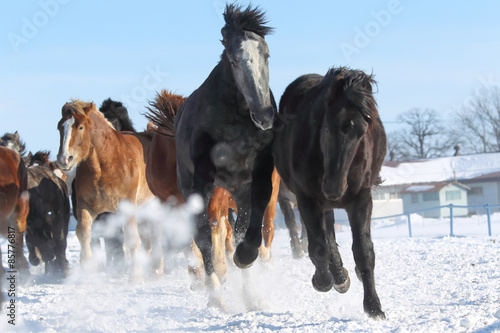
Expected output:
(476, 190)
(430, 196)
(414, 198)
(453, 195)
(378, 196)
(394, 195)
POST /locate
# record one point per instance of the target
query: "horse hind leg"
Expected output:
(295, 244)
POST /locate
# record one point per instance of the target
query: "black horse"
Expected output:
(117, 115)
(330, 156)
(223, 136)
(48, 218)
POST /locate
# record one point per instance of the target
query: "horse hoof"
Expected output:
(265, 254)
(245, 256)
(343, 287)
(324, 283)
(376, 314)
(217, 303)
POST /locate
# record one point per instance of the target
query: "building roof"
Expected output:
(431, 187)
(444, 169)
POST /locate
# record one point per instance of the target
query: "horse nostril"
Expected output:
(70, 158)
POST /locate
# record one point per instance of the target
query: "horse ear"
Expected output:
(88, 108)
(16, 136)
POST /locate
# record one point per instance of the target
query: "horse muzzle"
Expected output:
(333, 193)
(263, 119)
(65, 163)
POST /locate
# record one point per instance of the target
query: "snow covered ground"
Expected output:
(429, 283)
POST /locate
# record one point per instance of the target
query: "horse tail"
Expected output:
(162, 112)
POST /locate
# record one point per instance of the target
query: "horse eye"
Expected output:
(347, 126)
(81, 128)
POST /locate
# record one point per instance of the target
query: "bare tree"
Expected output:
(477, 123)
(421, 137)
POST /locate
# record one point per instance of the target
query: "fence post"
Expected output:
(409, 225)
(488, 213)
(451, 220)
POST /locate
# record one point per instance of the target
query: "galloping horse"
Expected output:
(48, 218)
(14, 208)
(223, 138)
(110, 168)
(161, 173)
(330, 156)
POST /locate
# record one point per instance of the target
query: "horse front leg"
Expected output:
(132, 242)
(60, 234)
(287, 211)
(342, 282)
(21, 214)
(261, 190)
(313, 218)
(84, 234)
(364, 255)
(203, 184)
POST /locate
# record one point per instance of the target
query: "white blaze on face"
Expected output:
(68, 128)
(250, 55)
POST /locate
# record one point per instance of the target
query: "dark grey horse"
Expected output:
(330, 156)
(223, 137)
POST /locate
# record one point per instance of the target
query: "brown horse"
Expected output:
(14, 208)
(110, 167)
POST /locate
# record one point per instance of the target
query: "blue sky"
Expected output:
(425, 54)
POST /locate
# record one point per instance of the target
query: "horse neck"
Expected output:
(223, 76)
(102, 136)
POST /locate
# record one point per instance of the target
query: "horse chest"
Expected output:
(235, 152)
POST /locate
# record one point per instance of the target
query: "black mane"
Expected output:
(117, 114)
(357, 88)
(250, 19)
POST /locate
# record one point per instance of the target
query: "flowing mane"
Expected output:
(83, 108)
(357, 88)
(117, 114)
(162, 111)
(250, 19)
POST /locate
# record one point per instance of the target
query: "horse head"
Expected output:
(13, 141)
(246, 50)
(350, 110)
(74, 134)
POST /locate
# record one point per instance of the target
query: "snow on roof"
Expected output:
(419, 188)
(440, 169)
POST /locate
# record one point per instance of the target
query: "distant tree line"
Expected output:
(474, 128)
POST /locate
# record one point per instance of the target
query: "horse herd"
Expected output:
(227, 143)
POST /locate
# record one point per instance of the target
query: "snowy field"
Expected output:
(428, 283)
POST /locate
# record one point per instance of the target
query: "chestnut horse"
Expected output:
(330, 156)
(110, 167)
(14, 208)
